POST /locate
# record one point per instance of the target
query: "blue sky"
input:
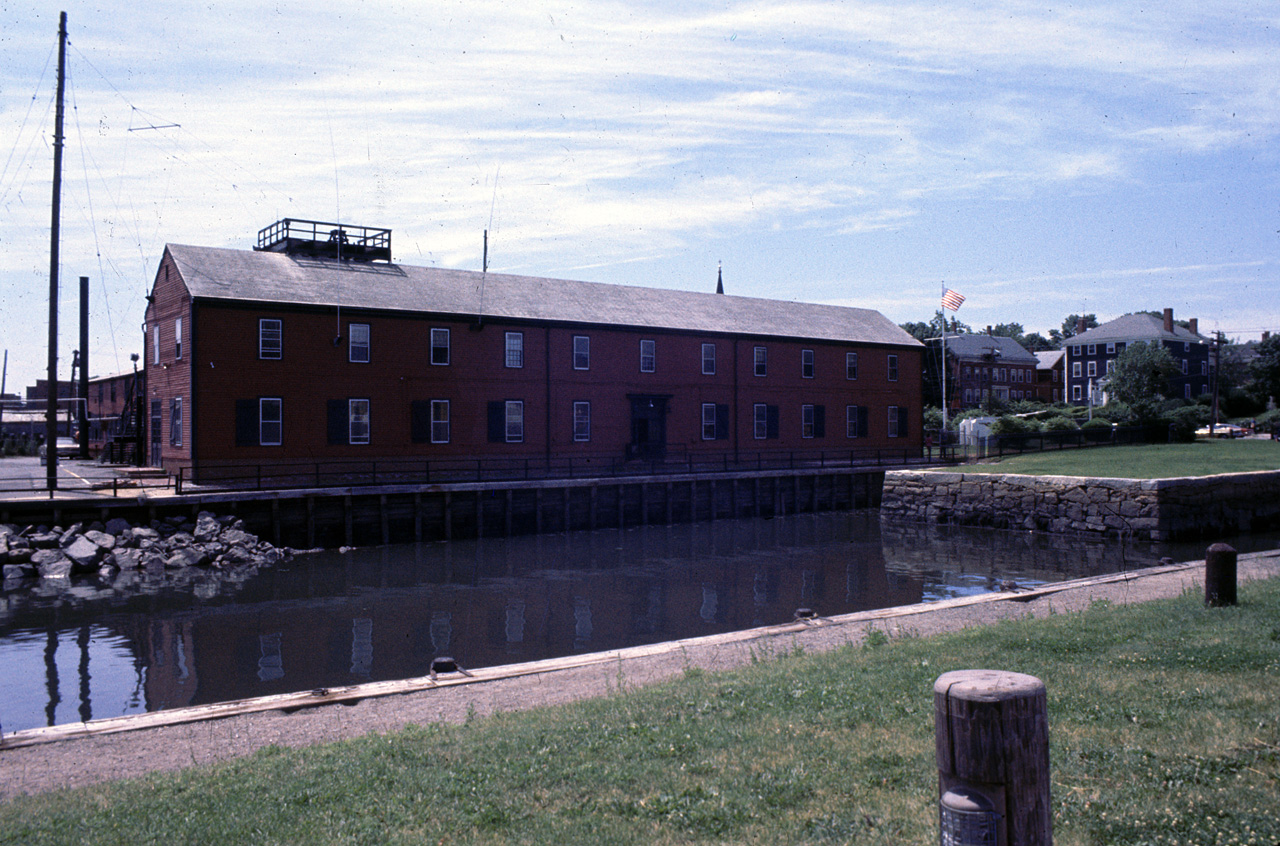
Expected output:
(1093, 157)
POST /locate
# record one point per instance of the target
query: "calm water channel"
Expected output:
(134, 642)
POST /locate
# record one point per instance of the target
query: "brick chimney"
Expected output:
(1194, 324)
(1080, 330)
(1168, 320)
(1266, 336)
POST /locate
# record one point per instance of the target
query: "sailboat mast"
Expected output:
(51, 406)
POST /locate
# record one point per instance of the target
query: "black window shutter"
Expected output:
(903, 417)
(722, 422)
(497, 421)
(771, 421)
(420, 421)
(819, 421)
(338, 432)
(863, 417)
(246, 422)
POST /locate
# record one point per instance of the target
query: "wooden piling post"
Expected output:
(384, 519)
(992, 736)
(311, 522)
(347, 530)
(1220, 575)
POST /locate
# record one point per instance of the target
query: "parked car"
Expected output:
(67, 448)
(1221, 430)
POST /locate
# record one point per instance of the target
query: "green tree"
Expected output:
(1140, 377)
(1035, 342)
(1265, 369)
(1070, 325)
(922, 331)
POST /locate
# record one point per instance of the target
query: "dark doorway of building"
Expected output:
(648, 426)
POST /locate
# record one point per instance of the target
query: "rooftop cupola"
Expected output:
(316, 239)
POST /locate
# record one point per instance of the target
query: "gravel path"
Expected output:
(84, 760)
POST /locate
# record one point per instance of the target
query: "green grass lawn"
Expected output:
(1164, 728)
(1158, 461)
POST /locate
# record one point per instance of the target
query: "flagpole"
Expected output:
(943, 435)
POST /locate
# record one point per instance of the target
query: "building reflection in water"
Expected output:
(330, 619)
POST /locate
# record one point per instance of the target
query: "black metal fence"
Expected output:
(998, 446)
(323, 474)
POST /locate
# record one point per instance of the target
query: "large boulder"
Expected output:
(207, 527)
(187, 556)
(117, 526)
(129, 559)
(84, 553)
(19, 571)
(102, 539)
(44, 540)
(51, 564)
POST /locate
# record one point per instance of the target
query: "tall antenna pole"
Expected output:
(51, 406)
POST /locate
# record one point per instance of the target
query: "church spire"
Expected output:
(719, 278)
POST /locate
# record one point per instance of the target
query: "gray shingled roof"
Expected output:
(977, 345)
(246, 275)
(1134, 327)
(1049, 358)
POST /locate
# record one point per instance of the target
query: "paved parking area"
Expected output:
(25, 478)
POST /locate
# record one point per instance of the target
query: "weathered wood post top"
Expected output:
(992, 734)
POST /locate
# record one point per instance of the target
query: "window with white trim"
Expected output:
(515, 421)
(177, 339)
(760, 421)
(270, 421)
(893, 421)
(893, 368)
(708, 421)
(439, 346)
(851, 365)
(175, 422)
(708, 359)
(357, 421)
(806, 364)
(358, 343)
(760, 356)
(1093, 368)
(581, 352)
(439, 421)
(648, 355)
(806, 421)
(155, 344)
(270, 338)
(1075, 370)
(582, 421)
(514, 355)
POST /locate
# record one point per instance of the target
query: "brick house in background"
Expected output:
(314, 346)
(1050, 376)
(983, 365)
(1090, 355)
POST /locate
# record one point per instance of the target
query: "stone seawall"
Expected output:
(1142, 509)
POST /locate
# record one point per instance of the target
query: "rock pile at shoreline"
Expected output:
(41, 553)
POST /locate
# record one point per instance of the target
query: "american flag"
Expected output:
(951, 299)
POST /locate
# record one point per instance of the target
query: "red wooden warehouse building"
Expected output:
(316, 346)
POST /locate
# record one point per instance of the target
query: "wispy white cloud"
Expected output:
(625, 140)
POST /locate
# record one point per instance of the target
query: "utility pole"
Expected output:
(1213, 376)
(51, 406)
(82, 410)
